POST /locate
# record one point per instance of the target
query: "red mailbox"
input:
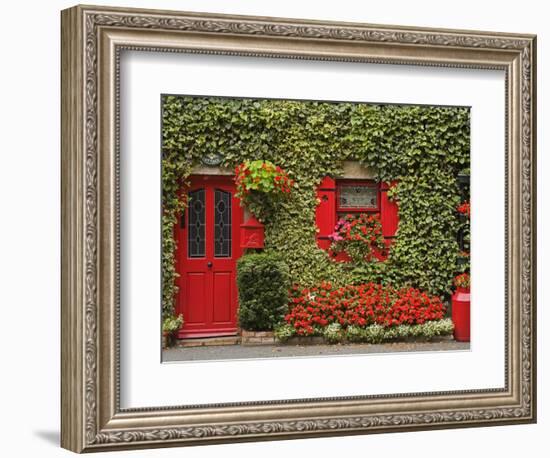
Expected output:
(252, 234)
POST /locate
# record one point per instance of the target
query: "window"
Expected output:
(337, 198)
(196, 234)
(222, 224)
(354, 196)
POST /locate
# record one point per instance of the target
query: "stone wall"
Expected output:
(257, 338)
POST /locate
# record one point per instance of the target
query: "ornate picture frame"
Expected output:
(92, 40)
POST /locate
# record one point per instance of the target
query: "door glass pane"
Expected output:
(358, 196)
(222, 224)
(195, 234)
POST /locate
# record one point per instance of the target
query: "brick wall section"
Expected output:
(209, 341)
(257, 338)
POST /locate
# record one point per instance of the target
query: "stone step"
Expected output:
(208, 341)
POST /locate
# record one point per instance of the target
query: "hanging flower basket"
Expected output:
(260, 185)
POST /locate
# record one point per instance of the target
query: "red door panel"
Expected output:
(222, 295)
(195, 289)
(207, 250)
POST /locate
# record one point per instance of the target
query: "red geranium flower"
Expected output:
(361, 305)
(464, 209)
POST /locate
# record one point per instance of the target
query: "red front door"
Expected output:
(208, 248)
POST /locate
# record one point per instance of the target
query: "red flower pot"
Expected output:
(461, 314)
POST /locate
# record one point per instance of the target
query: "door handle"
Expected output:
(209, 264)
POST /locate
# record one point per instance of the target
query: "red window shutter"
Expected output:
(389, 214)
(325, 215)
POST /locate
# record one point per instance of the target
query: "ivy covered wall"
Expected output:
(422, 147)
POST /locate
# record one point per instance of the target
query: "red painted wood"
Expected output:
(223, 286)
(325, 214)
(327, 210)
(252, 233)
(207, 295)
(342, 257)
(389, 213)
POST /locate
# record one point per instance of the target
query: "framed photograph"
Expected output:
(278, 228)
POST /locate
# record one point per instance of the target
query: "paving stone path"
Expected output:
(209, 353)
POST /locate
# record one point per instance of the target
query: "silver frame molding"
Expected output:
(92, 39)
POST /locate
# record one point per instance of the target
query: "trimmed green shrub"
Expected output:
(263, 280)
